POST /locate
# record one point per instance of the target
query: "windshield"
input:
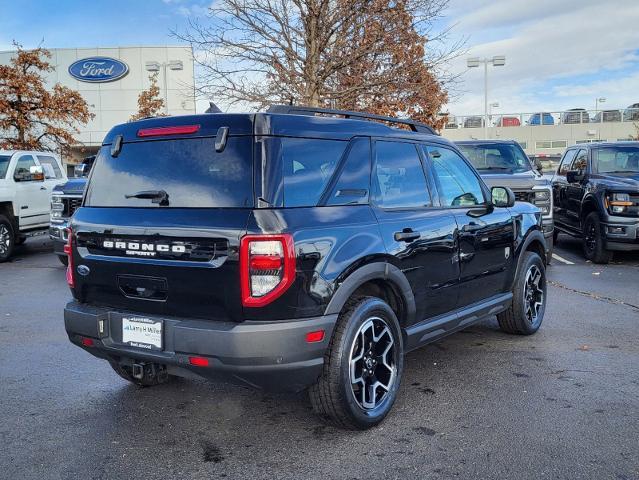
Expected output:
(497, 157)
(616, 160)
(4, 164)
(185, 173)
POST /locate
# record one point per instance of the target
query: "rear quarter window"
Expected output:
(189, 170)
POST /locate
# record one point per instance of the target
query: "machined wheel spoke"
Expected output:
(372, 365)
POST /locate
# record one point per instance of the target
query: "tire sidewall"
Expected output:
(593, 218)
(7, 223)
(366, 309)
(530, 260)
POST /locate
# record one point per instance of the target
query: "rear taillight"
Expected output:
(267, 267)
(68, 249)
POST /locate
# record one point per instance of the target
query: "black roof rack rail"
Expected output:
(302, 110)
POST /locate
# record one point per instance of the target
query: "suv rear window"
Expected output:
(189, 170)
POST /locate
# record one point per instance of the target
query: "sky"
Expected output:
(560, 54)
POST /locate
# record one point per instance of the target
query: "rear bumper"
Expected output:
(268, 355)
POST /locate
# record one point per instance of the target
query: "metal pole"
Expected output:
(485, 99)
(166, 93)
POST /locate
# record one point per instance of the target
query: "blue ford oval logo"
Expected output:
(83, 270)
(98, 69)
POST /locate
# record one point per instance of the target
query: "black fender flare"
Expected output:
(374, 271)
(534, 235)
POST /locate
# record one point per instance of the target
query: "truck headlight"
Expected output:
(542, 201)
(618, 202)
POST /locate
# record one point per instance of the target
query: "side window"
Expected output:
(307, 166)
(23, 168)
(581, 161)
(458, 184)
(354, 179)
(399, 176)
(50, 166)
(565, 162)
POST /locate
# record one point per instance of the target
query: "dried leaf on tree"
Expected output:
(374, 55)
(150, 104)
(32, 116)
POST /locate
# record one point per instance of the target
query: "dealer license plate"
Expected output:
(142, 332)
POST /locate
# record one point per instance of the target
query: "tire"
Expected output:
(555, 236)
(154, 375)
(7, 239)
(526, 312)
(593, 240)
(335, 396)
(64, 260)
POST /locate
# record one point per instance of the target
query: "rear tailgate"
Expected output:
(178, 262)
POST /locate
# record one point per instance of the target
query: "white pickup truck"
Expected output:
(26, 182)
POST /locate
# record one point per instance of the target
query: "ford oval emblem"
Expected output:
(98, 69)
(83, 270)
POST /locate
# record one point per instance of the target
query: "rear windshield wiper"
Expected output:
(156, 196)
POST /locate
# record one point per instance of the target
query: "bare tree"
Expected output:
(356, 53)
(33, 117)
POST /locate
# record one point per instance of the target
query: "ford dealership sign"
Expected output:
(98, 69)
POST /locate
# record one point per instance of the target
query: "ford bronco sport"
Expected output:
(290, 250)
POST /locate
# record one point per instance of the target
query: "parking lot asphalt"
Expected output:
(563, 403)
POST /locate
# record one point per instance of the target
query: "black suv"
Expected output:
(596, 197)
(287, 250)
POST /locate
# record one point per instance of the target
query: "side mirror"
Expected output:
(574, 176)
(37, 173)
(538, 165)
(502, 197)
(80, 170)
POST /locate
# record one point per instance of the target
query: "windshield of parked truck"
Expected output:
(495, 158)
(4, 165)
(616, 160)
(180, 173)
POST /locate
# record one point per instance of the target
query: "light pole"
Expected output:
(597, 102)
(497, 61)
(156, 66)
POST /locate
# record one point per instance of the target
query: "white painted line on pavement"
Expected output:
(562, 259)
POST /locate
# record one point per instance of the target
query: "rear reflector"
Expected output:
(87, 342)
(68, 249)
(163, 131)
(199, 361)
(316, 336)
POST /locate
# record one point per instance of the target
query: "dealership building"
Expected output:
(111, 79)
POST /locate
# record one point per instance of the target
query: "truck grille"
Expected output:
(70, 205)
(525, 196)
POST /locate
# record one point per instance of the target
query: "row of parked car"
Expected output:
(572, 116)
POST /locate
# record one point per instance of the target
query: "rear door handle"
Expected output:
(43, 187)
(406, 235)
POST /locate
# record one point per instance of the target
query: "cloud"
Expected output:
(580, 45)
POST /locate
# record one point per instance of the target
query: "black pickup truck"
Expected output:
(596, 197)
